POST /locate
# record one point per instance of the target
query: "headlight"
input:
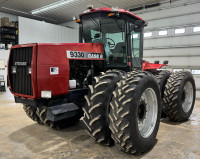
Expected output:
(46, 94)
(14, 69)
(29, 71)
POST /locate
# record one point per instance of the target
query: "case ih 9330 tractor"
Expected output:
(124, 95)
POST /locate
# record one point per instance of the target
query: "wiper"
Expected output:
(120, 27)
(97, 24)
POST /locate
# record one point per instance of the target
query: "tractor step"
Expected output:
(63, 111)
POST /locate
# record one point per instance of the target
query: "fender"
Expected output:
(151, 66)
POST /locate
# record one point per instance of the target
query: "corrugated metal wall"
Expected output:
(33, 31)
(181, 50)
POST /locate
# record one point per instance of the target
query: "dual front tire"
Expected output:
(135, 113)
(39, 115)
(129, 103)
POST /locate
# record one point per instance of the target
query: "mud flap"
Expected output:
(60, 112)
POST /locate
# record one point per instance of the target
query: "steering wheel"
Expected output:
(112, 43)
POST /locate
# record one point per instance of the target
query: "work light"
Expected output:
(29, 70)
(46, 94)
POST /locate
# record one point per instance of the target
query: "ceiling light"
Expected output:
(51, 6)
(21, 12)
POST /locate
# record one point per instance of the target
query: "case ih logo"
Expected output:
(84, 55)
(20, 63)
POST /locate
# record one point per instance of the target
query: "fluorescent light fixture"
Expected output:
(148, 34)
(51, 6)
(180, 31)
(135, 36)
(196, 29)
(18, 11)
(162, 32)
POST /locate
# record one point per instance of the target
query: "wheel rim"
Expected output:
(187, 97)
(147, 112)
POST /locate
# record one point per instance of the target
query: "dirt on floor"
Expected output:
(20, 137)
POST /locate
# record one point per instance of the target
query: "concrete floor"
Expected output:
(20, 137)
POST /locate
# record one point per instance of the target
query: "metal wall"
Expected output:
(34, 31)
(181, 50)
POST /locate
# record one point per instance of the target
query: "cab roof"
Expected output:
(105, 9)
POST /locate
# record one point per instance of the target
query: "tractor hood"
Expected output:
(48, 66)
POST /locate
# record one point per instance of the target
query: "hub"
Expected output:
(141, 111)
(183, 96)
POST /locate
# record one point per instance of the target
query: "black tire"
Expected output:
(124, 113)
(162, 77)
(31, 113)
(97, 106)
(174, 96)
(42, 113)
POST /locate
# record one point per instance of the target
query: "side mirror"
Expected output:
(138, 23)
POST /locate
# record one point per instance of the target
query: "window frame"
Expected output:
(179, 29)
(147, 33)
(194, 29)
(163, 34)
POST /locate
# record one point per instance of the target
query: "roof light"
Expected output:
(180, 31)
(90, 6)
(196, 29)
(78, 21)
(74, 18)
(51, 6)
(115, 9)
(111, 14)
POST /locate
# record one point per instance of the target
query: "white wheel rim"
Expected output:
(147, 123)
(187, 97)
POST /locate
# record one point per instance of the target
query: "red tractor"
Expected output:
(124, 95)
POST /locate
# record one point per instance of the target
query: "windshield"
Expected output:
(110, 32)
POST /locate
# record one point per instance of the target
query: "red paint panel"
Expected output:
(46, 56)
(55, 55)
(151, 66)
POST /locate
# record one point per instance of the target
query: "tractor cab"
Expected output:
(121, 33)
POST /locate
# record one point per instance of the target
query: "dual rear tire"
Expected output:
(179, 96)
